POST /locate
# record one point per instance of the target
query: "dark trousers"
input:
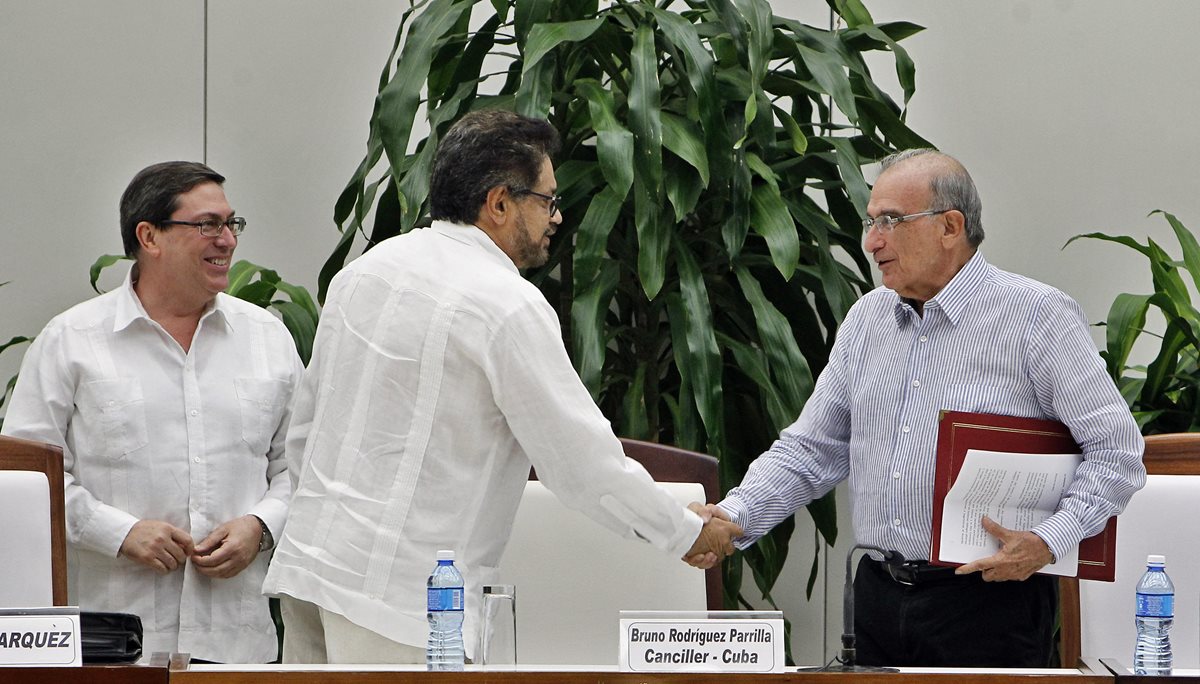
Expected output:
(955, 621)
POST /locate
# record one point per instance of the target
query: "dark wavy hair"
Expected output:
(483, 150)
(153, 195)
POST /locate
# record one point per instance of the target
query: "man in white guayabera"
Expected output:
(170, 400)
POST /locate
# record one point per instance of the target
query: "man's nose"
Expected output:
(226, 237)
(872, 239)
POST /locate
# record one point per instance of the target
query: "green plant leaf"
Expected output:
(587, 326)
(15, 341)
(654, 240)
(705, 366)
(100, 264)
(301, 324)
(545, 37)
(824, 515)
(853, 11)
(851, 169)
(614, 142)
(788, 365)
(681, 138)
(799, 140)
(770, 218)
(635, 420)
(906, 71)
(301, 298)
(753, 363)
(829, 72)
(258, 293)
(889, 123)
(1119, 239)
(1191, 250)
(682, 186)
(399, 99)
(1126, 319)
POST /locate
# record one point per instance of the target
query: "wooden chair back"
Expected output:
(22, 454)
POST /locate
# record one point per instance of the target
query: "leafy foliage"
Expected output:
(711, 170)
(1164, 396)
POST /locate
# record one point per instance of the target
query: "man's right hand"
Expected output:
(716, 537)
(158, 545)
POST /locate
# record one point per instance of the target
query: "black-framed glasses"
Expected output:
(886, 224)
(211, 227)
(554, 200)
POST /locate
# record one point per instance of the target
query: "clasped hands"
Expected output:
(715, 542)
(225, 552)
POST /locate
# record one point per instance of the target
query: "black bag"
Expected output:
(110, 637)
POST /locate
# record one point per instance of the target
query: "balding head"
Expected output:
(949, 183)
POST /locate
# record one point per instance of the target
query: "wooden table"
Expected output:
(1090, 672)
(150, 671)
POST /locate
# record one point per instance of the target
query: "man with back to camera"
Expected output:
(170, 401)
(438, 375)
(946, 331)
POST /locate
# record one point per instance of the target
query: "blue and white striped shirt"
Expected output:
(990, 342)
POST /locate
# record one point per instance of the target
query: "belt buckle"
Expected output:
(902, 574)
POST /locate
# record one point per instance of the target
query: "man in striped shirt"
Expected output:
(946, 331)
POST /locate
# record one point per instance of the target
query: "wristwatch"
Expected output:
(266, 542)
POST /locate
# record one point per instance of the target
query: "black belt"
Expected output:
(913, 573)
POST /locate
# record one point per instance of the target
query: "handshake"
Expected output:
(716, 537)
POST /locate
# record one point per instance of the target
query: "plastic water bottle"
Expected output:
(445, 605)
(1155, 611)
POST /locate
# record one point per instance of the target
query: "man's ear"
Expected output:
(147, 237)
(497, 206)
(954, 225)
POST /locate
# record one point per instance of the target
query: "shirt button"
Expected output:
(896, 476)
(924, 338)
(896, 522)
(906, 429)
(916, 383)
(195, 412)
(197, 459)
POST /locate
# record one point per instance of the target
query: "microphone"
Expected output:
(848, 655)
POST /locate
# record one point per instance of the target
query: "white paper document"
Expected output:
(1018, 491)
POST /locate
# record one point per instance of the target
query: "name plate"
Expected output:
(40, 637)
(702, 641)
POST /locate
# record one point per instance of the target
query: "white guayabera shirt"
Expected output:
(150, 432)
(438, 375)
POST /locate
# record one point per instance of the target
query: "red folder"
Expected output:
(959, 431)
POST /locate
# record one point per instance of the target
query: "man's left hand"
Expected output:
(227, 550)
(1021, 554)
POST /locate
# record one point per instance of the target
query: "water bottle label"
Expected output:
(1156, 605)
(447, 598)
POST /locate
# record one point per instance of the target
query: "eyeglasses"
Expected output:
(212, 227)
(552, 199)
(885, 223)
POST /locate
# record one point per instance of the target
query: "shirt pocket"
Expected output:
(261, 401)
(120, 412)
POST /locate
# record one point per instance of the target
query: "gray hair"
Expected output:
(950, 185)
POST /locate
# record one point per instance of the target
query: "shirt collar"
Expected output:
(956, 296)
(474, 236)
(130, 309)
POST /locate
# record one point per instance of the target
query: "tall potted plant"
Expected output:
(1164, 395)
(711, 175)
